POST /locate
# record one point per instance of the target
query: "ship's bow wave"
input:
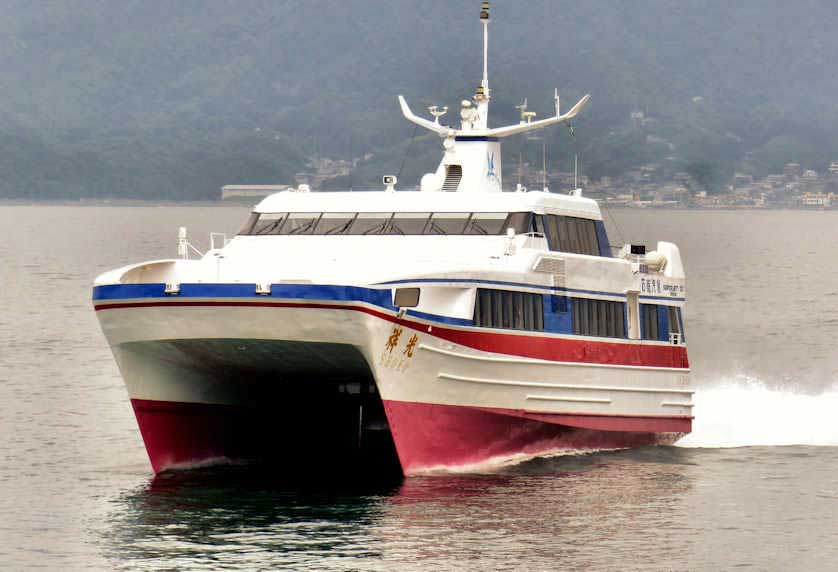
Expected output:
(745, 412)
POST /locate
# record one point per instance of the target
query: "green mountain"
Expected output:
(175, 99)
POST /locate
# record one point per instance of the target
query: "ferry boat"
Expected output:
(445, 329)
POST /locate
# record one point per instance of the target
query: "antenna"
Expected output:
(484, 19)
(522, 109)
(437, 112)
(544, 163)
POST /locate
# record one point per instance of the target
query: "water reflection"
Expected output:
(548, 511)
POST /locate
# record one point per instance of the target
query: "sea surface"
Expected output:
(754, 487)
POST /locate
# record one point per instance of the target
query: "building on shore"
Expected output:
(250, 192)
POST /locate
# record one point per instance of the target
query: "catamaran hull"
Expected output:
(218, 380)
(430, 438)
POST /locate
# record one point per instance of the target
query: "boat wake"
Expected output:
(498, 464)
(744, 412)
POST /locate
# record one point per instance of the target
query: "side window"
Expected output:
(251, 221)
(300, 223)
(448, 223)
(661, 323)
(601, 318)
(271, 223)
(521, 222)
(571, 234)
(335, 223)
(676, 329)
(509, 309)
(486, 223)
(649, 322)
(408, 223)
(370, 223)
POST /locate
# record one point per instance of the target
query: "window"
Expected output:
(335, 223)
(509, 310)
(448, 223)
(676, 335)
(400, 223)
(249, 223)
(661, 323)
(649, 321)
(268, 223)
(486, 223)
(600, 318)
(408, 223)
(571, 234)
(406, 298)
(300, 223)
(369, 223)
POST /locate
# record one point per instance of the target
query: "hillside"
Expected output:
(154, 99)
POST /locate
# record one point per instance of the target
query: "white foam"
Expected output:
(500, 462)
(205, 464)
(743, 412)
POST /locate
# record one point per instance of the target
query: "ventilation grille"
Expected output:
(453, 174)
(550, 265)
(554, 266)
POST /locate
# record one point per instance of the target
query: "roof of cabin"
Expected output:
(405, 201)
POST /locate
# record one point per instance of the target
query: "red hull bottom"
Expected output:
(443, 437)
(427, 437)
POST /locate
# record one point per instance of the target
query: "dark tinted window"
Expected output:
(482, 224)
(408, 223)
(369, 223)
(509, 309)
(571, 234)
(247, 227)
(487, 223)
(300, 223)
(269, 223)
(448, 223)
(601, 318)
(659, 322)
(335, 223)
(649, 321)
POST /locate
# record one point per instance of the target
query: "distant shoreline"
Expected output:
(120, 202)
(247, 204)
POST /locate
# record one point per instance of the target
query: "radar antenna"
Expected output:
(522, 109)
(437, 112)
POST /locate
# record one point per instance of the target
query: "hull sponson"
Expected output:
(183, 435)
(179, 434)
(438, 437)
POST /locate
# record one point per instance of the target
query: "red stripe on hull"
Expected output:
(537, 347)
(431, 436)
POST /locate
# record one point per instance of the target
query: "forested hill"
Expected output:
(174, 99)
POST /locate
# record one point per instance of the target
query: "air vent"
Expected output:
(453, 175)
(550, 265)
(554, 266)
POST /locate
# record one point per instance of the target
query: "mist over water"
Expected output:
(755, 484)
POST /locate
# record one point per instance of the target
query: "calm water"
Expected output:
(756, 485)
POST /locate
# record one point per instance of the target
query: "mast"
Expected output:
(544, 162)
(484, 19)
(472, 152)
(482, 96)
